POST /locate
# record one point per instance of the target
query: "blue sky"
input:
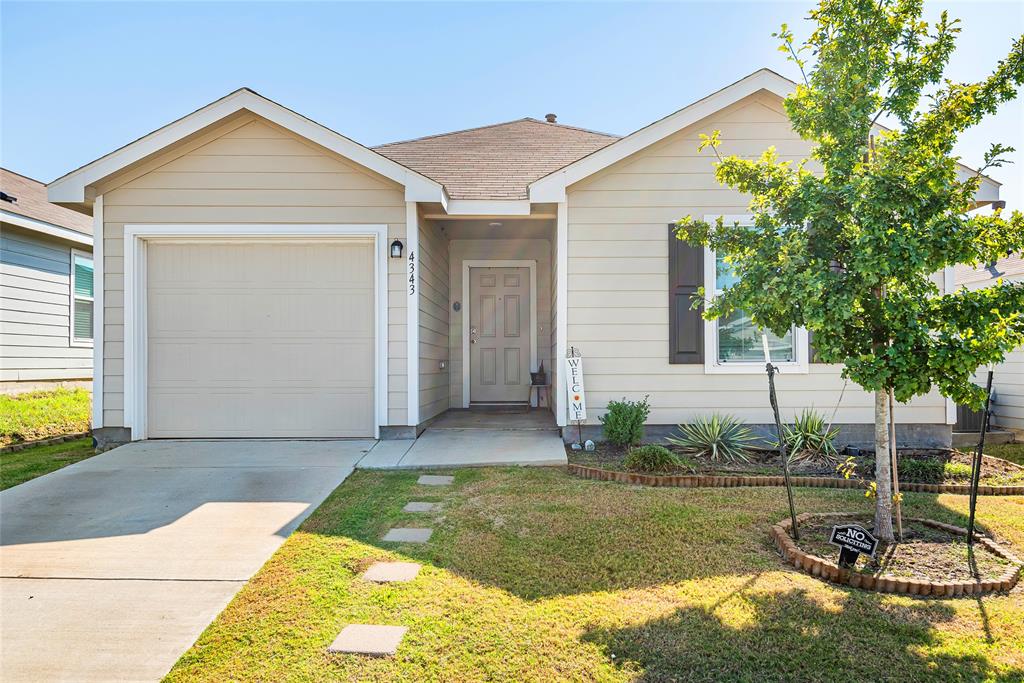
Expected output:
(80, 79)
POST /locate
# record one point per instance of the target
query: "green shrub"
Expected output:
(651, 458)
(624, 421)
(42, 414)
(809, 439)
(719, 437)
(957, 470)
(924, 470)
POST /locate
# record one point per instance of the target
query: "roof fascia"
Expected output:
(51, 229)
(74, 187)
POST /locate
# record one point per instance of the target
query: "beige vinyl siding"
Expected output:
(248, 170)
(1008, 376)
(434, 316)
(538, 250)
(35, 310)
(618, 281)
(1008, 391)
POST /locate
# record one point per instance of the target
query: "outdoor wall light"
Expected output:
(396, 249)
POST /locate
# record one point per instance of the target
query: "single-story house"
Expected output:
(46, 302)
(264, 276)
(1008, 376)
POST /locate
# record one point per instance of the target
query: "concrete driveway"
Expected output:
(110, 568)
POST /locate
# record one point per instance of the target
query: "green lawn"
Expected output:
(41, 414)
(35, 461)
(532, 575)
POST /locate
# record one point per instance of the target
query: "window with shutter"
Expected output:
(82, 292)
(733, 343)
(686, 274)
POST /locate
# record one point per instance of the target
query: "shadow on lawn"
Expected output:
(791, 636)
(539, 534)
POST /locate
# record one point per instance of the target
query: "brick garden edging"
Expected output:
(829, 571)
(43, 442)
(732, 480)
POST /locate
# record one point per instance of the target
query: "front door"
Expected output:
(499, 335)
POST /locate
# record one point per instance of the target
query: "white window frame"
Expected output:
(801, 352)
(72, 339)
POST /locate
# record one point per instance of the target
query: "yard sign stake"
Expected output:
(778, 429)
(976, 468)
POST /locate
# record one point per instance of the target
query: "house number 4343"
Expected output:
(412, 272)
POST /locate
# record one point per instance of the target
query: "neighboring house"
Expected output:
(1008, 376)
(46, 290)
(265, 276)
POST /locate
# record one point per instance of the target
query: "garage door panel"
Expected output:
(212, 362)
(280, 347)
(230, 414)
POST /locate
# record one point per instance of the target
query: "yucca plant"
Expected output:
(810, 439)
(722, 438)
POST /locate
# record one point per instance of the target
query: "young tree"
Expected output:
(850, 251)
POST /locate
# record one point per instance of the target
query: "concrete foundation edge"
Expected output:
(106, 438)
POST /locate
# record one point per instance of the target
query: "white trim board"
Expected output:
(412, 265)
(561, 311)
(50, 229)
(136, 237)
(97, 313)
(74, 187)
(466, 305)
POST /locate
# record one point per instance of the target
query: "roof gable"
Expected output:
(497, 161)
(551, 188)
(76, 187)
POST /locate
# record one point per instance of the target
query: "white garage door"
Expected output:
(260, 339)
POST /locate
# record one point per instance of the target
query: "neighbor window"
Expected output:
(733, 342)
(81, 298)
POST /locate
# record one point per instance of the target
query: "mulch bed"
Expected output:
(995, 472)
(932, 559)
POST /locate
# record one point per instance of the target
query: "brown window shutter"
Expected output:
(685, 276)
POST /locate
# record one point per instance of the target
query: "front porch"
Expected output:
(486, 318)
(475, 438)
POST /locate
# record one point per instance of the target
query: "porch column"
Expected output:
(412, 321)
(561, 308)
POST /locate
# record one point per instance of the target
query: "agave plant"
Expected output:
(722, 438)
(809, 439)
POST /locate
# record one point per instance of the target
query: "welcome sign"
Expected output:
(574, 388)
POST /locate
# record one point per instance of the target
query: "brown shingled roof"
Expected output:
(498, 161)
(32, 203)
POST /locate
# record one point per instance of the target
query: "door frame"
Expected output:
(136, 339)
(466, 305)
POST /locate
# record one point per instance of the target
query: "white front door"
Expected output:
(499, 335)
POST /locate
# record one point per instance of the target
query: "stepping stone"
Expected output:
(365, 639)
(388, 572)
(408, 535)
(419, 507)
(435, 480)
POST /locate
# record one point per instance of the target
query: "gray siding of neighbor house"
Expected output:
(35, 310)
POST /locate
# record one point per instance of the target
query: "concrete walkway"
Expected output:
(113, 566)
(474, 447)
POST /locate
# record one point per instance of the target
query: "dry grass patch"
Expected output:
(533, 575)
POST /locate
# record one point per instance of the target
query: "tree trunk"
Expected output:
(883, 473)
